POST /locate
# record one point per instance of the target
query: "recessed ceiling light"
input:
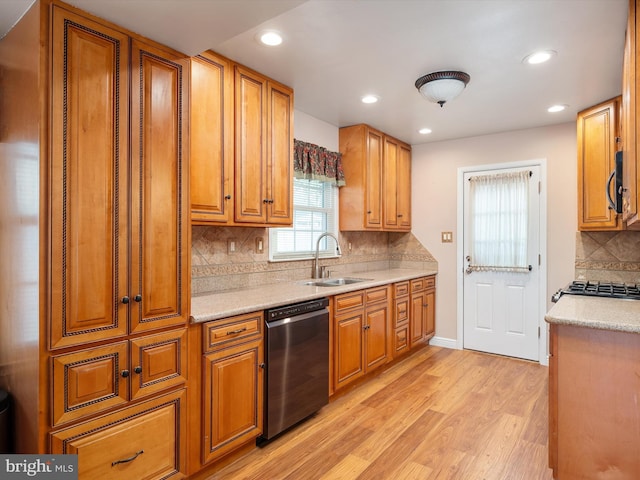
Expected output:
(370, 99)
(424, 131)
(556, 108)
(539, 57)
(270, 38)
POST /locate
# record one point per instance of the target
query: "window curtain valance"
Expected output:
(499, 206)
(317, 163)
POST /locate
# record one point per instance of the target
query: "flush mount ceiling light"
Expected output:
(440, 87)
(424, 131)
(270, 38)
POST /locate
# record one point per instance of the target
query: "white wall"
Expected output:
(434, 198)
(311, 130)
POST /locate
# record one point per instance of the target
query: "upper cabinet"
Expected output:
(630, 79)
(597, 143)
(241, 145)
(118, 193)
(377, 170)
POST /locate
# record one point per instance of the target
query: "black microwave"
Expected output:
(615, 201)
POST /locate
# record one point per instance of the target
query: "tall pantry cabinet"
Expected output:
(113, 237)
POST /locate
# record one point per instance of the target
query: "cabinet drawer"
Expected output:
(402, 312)
(377, 294)
(88, 381)
(158, 362)
(222, 332)
(419, 284)
(402, 339)
(400, 289)
(430, 282)
(139, 442)
(349, 300)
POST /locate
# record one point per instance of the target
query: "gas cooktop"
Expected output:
(599, 289)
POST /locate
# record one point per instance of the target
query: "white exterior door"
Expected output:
(501, 308)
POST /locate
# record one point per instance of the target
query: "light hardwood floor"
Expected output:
(439, 414)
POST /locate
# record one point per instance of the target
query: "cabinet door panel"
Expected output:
(375, 147)
(139, 442)
(376, 336)
(597, 130)
(88, 381)
(280, 166)
(430, 313)
(89, 154)
(250, 147)
(417, 330)
(211, 138)
(233, 392)
(159, 203)
(403, 194)
(390, 182)
(158, 362)
(349, 347)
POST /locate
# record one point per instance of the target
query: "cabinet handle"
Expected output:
(138, 298)
(227, 197)
(124, 373)
(262, 365)
(369, 212)
(425, 304)
(127, 460)
(138, 370)
(240, 330)
(265, 201)
(125, 300)
(400, 216)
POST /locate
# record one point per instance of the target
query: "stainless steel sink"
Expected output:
(334, 282)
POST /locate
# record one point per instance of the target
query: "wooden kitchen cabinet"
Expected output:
(263, 149)
(107, 121)
(397, 185)
(401, 310)
(422, 320)
(211, 137)
(377, 169)
(361, 333)
(233, 384)
(101, 289)
(593, 411)
(241, 145)
(142, 441)
(597, 143)
(629, 116)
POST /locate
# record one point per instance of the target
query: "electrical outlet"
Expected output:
(231, 245)
(259, 245)
(447, 237)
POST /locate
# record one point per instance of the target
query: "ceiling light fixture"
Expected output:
(370, 99)
(424, 131)
(556, 108)
(539, 57)
(440, 87)
(270, 38)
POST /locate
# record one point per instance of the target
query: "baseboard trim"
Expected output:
(444, 342)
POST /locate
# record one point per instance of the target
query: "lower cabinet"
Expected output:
(401, 310)
(361, 333)
(141, 442)
(233, 379)
(422, 322)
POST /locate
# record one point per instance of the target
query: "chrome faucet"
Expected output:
(316, 269)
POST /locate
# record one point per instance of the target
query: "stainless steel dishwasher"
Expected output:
(297, 364)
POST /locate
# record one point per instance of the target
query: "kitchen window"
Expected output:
(315, 211)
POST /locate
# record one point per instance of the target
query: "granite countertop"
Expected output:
(596, 312)
(214, 306)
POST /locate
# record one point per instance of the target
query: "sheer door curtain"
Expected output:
(499, 206)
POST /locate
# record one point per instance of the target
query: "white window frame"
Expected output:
(327, 245)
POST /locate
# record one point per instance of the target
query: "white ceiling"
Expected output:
(335, 51)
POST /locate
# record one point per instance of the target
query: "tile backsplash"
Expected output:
(215, 268)
(608, 256)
